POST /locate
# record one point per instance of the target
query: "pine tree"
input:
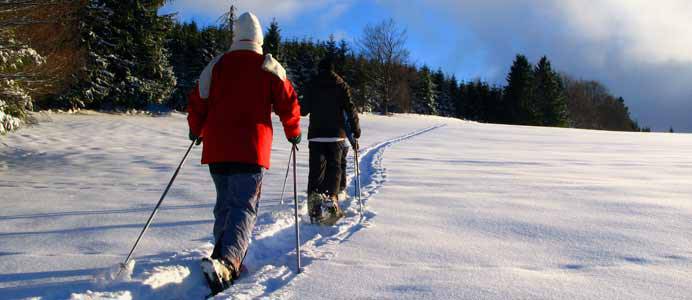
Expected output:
(549, 95)
(462, 103)
(191, 50)
(331, 48)
(342, 58)
(494, 104)
(272, 40)
(491, 103)
(443, 103)
(300, 60)
(425, 95)
(519, 101)
(453, 90)
(361, 89)
(475, 92)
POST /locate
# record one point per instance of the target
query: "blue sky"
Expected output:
(346, 20)
(640, 49)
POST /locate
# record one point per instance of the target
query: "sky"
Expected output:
(640, 49)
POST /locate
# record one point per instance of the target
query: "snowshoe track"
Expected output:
(270, 262)
(275, 253)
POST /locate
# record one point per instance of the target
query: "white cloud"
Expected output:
(650, 31)
(641, 49)
(334, 11)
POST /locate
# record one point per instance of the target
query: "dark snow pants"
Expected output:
(325, 167)
(237, 201)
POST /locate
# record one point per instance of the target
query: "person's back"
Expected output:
(328, 102)
(230, 111)
(327, 98)
(240, 106)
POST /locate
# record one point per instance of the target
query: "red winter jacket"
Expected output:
(235, 120)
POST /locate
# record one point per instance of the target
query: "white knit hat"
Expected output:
(248, 29)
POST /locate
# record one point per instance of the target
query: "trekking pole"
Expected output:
(360, 201)
(288, 168)
(295, 204)
(153, 213)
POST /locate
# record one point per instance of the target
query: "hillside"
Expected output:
(455, 210)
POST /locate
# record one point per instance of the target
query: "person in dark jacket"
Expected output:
(328, 102)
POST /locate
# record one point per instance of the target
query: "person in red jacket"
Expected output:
(230, 111)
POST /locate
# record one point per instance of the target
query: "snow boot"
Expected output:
(218, 274)
(331, 211)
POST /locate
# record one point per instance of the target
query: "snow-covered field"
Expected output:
(455, 210)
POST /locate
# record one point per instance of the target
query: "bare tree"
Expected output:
(50, 28)
(227, 21)
(384, 45)
(32, 12)
(591, 106)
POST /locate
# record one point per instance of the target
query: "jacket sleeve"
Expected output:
(285, 101)
(350, 109)
(196, 111)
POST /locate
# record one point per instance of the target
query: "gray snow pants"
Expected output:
(237, 201)
(344, 163)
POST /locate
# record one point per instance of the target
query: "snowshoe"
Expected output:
(331, 212)
(218, 274)
(315, 207)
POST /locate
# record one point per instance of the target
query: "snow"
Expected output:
(454, 210)
(473, 211)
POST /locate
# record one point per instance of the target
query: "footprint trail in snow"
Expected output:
(270, 261)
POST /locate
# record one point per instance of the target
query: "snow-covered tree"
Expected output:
(15, 59)
(127, 63)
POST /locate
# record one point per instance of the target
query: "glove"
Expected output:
(197, 139)
(356, 133)
(296, 140)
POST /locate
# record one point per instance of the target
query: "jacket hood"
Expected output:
(248, 33)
